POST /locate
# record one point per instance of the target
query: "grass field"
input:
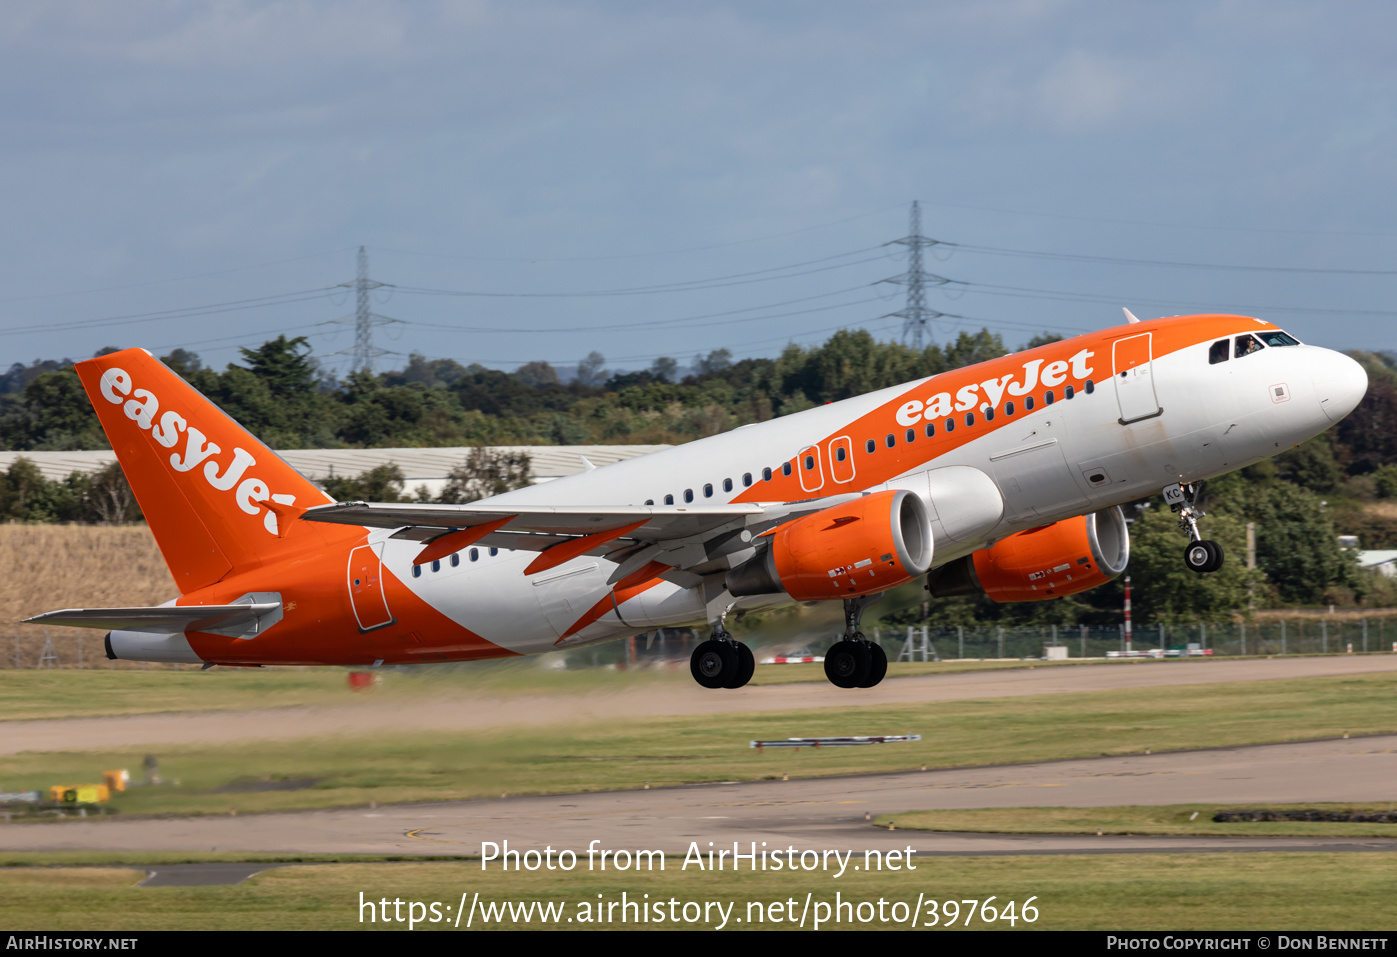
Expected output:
(582, 756)
(34, 694)
(1108, 892)
(1170, 819)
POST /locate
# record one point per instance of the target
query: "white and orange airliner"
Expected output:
(1004, 477)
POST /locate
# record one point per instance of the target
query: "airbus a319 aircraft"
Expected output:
(1004, 477)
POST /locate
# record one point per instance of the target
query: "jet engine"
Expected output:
(866, 545)
(1063, 558)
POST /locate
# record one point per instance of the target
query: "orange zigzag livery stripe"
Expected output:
(622, 593)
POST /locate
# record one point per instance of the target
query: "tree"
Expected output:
(717, 361)
(1296, 544)
(486, 472)
(108, 497)
(284, 365)
(664, 369)
(536, 375)
(183, 362)
(383, 483)
(1042, 339)
(1163, 589)
(970, 348)
(591, 371)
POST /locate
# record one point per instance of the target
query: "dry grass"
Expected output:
(46, 567)
(1381, 509)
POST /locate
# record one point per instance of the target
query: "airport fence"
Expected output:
(31, 648)
(1294, 636)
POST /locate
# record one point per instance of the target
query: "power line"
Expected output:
(645, 255)
(715, 282)
(188, 312)
(1144, 222)
(163, 282)
(1120, 261)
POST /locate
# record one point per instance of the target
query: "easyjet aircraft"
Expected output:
(1003, 478)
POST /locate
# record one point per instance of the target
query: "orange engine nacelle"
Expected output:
(1063, 558)
(866, 545)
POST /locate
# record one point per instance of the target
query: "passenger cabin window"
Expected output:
(727, 485)
(1048, 397)
(1218, 352)
(840, 455)
(1028, 403)
(436, 564)
(766, 475)
(989, 414)
(475, 554)
(494, 551)
(809, 463)
(688, 495)
(416, 572)
(1091, 387)
(669, 499)
(911, 435)
(785, 468)
(1278, 338)
(1067, 392)
(970, 418)
(930, 430)
(950, 425)
(746, 479)
(1008, 408)
(455, 559)
(649, 501)
(708, 490)
(891, 441)
(871, 446)
(1246, 345)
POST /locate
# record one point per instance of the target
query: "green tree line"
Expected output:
(1339, 482)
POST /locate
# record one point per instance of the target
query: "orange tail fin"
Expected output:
(215, 497)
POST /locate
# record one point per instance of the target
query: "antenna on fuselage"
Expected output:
(1130, 316)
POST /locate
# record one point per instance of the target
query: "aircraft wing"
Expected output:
(164, 619)
(563, 521)
(635, 535)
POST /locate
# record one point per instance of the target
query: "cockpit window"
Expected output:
(1246, 345)
(1218, 353)
(1279, 338)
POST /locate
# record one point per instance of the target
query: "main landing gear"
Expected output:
(722, 661)
(1200, 555)
(854, 661)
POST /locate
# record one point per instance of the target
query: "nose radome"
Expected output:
(1340, 383)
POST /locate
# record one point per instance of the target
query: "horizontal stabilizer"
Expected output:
(165, 619)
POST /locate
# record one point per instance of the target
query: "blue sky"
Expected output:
(220, 163)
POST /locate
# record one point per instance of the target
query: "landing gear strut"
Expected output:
(1199, 555)
(854, 661)
(722, 661)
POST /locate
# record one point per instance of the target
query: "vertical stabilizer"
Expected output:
(215, 497)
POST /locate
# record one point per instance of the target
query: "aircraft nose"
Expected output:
(1340, 383)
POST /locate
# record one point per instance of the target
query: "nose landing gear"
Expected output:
(854, 661)
(1200, 555)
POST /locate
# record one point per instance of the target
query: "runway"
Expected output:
(819, 813)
